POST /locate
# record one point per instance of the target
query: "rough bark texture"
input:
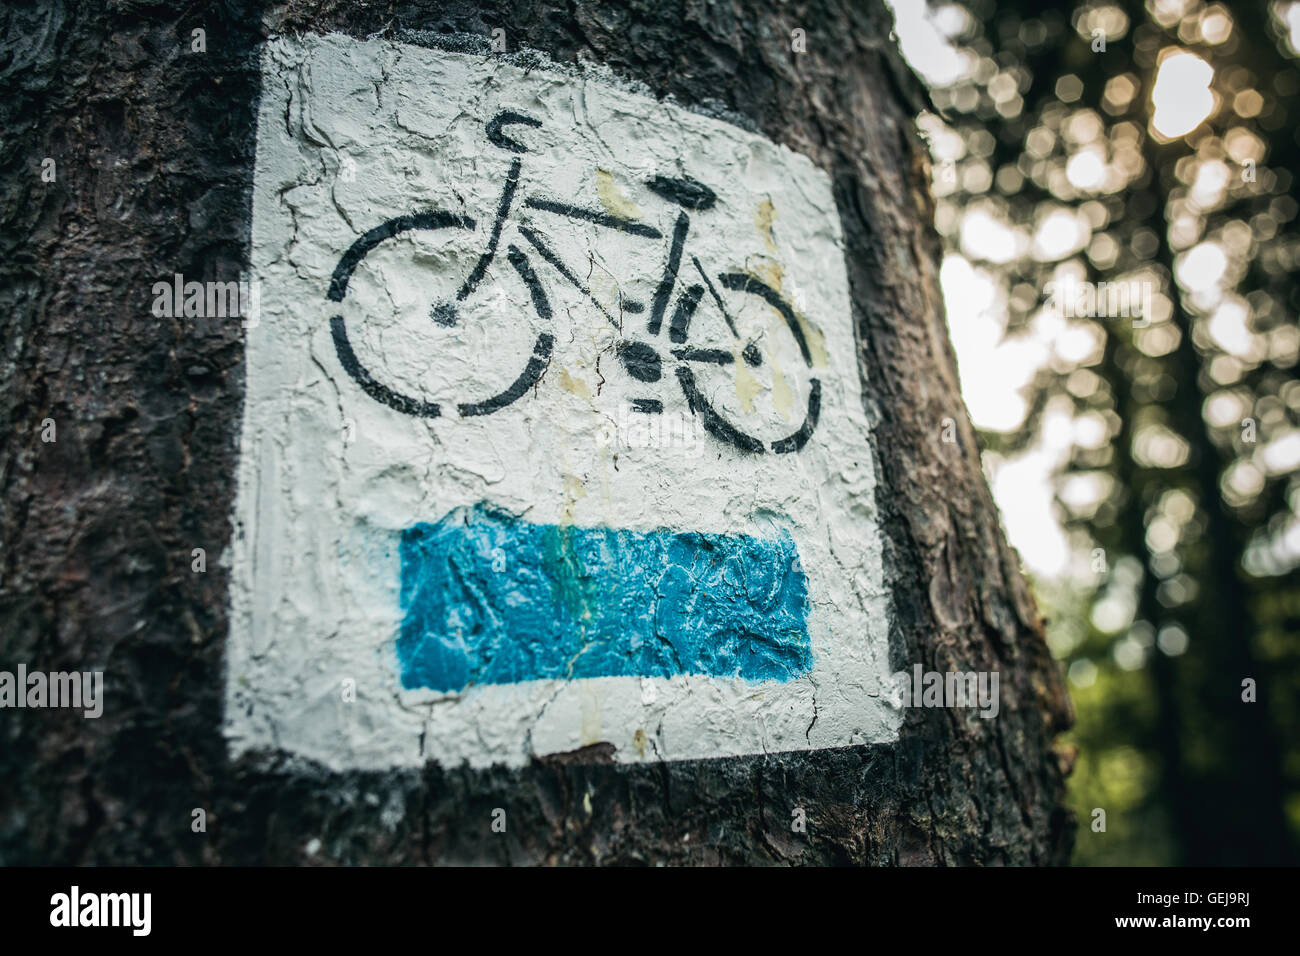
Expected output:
(154, 147)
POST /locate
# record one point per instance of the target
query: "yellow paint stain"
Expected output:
(772, 272)
(612, 198)
(815, 339)
(573, 385)
(638, 741)
(763, 219)
(747, 385)
(782, 393)
(574, 491)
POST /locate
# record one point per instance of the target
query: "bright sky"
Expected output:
(993, 371)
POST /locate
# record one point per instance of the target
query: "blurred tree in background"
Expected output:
(1150, 146)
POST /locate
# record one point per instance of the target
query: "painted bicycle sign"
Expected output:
(640, 357)
(474, 275)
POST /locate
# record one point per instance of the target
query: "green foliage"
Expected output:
(1136, 209)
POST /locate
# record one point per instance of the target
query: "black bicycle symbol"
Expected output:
(641, 359)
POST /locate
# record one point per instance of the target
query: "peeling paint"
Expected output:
(490, 599)
(409, 367)
(612, 198)
(763, 219)
(575, 386)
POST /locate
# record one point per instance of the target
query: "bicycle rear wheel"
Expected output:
(750, 370)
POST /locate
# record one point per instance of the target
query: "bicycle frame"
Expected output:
(640, 359)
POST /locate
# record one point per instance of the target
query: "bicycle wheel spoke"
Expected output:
(731, 323)
(525, 270)
(546, 253)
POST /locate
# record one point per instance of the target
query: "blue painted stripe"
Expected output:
(491, 599)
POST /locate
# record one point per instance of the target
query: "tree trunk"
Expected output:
(154, 145)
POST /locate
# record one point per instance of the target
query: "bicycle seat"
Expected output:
(685, 192)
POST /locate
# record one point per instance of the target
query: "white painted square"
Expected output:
(354, 133)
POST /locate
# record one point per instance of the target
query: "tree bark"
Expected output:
(154, 148)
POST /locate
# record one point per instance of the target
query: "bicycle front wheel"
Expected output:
(410, 335)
